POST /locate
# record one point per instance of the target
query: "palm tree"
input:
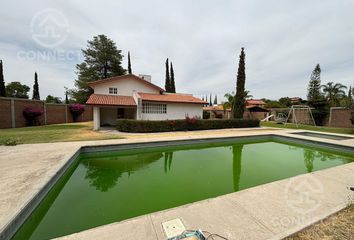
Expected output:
(333, 92)
(230, 98)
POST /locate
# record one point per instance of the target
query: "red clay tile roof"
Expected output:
(178, 98)
(112, 100)
(216, 108)
(255, 102)
(122, 77)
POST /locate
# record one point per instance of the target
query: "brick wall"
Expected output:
(5, 113)
(56, 113)
(53, 113)
(340, 118)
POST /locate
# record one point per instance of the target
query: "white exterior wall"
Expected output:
(125, 87)
(177, 111)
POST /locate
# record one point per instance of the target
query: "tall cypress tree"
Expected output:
(172, 80)
(239, 104)
(2, 82)
(314, 87)
(216, 99)
(35, 95)
(210, 102)
(129, 64)
(167, 79)
(66, 95)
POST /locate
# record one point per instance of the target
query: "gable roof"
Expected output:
(255, 102)
(122, 77)
(171, 97)
(254, 108)
(112, 100)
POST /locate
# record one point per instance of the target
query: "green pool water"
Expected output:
(106, 187)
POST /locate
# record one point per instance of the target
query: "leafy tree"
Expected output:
(285, 101)
(216, 99)
(35, 95)
(334, 92)
(129, 64)
(239, 104)
(17, 90)
(314, 87)
(102, 60)
(52, 99)
(2, 82)
(172, 79)
(274, 104)
(167, 78)
(347, 101)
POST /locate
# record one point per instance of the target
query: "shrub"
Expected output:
(190, 124)
(31, 115)
(10, 142)
(76, 110)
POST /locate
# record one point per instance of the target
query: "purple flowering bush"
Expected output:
(31, 115)
(76, 110)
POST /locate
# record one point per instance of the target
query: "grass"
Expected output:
(337, 226)
(52, 133)
(309, 127)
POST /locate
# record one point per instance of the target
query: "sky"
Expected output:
(283, 41)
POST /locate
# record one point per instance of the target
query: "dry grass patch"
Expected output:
(53, 133)
(339, 226)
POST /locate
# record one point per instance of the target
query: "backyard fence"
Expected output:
(337, 116)
(11, 112)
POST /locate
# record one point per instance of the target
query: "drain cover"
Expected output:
(173, 227)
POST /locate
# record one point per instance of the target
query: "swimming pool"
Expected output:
(323, 135)
(102, 186)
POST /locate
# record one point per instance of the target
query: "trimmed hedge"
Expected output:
(145, 126)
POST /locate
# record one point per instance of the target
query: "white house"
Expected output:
(133, 97)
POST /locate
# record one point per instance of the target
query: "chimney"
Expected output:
(145, 77)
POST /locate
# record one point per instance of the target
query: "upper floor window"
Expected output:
(112, 90)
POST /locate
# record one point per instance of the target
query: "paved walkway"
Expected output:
(262, 212)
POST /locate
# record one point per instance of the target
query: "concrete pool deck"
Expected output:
(262, 212)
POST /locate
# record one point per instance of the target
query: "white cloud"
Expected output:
(284, 40)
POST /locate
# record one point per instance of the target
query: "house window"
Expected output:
(154, 108)
(112, 90)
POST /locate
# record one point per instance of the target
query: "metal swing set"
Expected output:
(302, 111)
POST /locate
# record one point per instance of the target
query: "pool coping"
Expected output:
(12, 226)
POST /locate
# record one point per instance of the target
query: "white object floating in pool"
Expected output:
(173, 227)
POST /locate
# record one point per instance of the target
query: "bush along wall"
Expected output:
(189, 124)
(76, 110)
(31, 115)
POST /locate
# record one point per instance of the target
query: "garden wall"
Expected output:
(339, 117)
(11, 112)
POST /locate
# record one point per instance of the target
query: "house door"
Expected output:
(120, 113)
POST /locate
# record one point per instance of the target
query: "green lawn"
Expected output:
(309, 127)
(53, 133)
